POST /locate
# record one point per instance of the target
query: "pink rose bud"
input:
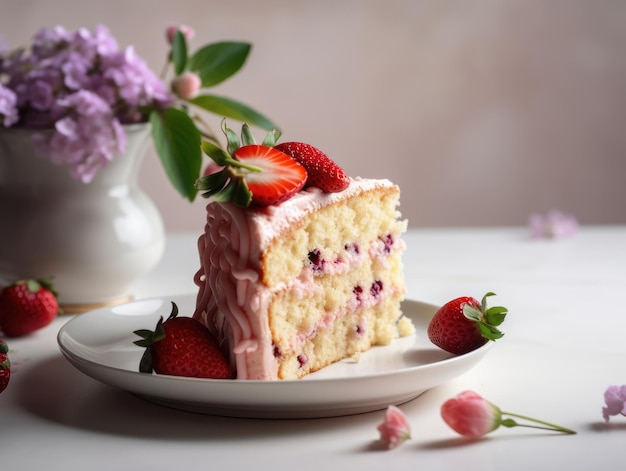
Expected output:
(394, 429)
(171, 31)
(471, 415)
(186, 85)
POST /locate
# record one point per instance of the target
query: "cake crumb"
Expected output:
(356, 357)
(405, 327)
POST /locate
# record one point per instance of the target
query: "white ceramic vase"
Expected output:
(95, 240)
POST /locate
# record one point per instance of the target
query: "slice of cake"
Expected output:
(291, 287)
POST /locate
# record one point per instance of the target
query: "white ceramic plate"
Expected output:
(100, 344)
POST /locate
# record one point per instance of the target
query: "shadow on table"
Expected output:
(55, 391)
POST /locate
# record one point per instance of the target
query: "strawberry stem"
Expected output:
(544, 425)
(238, 164)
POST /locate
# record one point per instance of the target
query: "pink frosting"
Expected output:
(230, 301)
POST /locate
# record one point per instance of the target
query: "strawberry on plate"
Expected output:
(5, 366)
(322, 171)
(182, 346)
(26, 306)
(464, 324)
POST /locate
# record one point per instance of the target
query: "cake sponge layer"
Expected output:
(366, 216)
(353, 333)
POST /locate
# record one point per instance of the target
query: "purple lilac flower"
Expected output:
(87, 138)
(135, 84)
(82, 87)
(8, 109)
(554, 224)
(615, 399)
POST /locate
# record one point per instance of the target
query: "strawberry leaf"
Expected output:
(216, 153)
(33, 285)
(232, 138)
(242, 196)
(214, 182)
(247, 138)
(216, 62)
(271, 138)
(145, 364)
(173, 314)
(223, 195)
(495, 315)
(489, 332)
(47, 284)
(483, 302)
(472, 313)
(179, 52)
(487, 319)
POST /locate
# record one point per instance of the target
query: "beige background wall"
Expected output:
(482, 111)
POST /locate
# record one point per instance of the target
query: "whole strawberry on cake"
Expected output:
(300, 265)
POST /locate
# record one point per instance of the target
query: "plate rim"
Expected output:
(102, 373)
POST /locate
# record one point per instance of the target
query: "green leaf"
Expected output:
(271, 138)
(33, 285)
(144, 334)
(242, 196)
(472, 313)
(483, 302)
(213, 182)
(224, 195)
(216, 62)
(179, 52)
(489, 332)
(145, 364)
(495, 315)
(247, 138)
(230, 108)
(231, 137)
(216, 153)
(173, 314)
(177, 142)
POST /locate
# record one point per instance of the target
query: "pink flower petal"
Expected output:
(615, 399)
(470, 415)
(395, 429)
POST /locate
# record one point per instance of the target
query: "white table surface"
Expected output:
(565, 343)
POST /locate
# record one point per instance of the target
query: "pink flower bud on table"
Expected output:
(395, 429)
(470, 415)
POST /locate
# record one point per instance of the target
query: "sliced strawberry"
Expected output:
(279, 176)
(323, 172)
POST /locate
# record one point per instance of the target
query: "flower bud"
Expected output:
(394, 429)
(470, 415)
(171, 31)
(615, 399)
(186, 85)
